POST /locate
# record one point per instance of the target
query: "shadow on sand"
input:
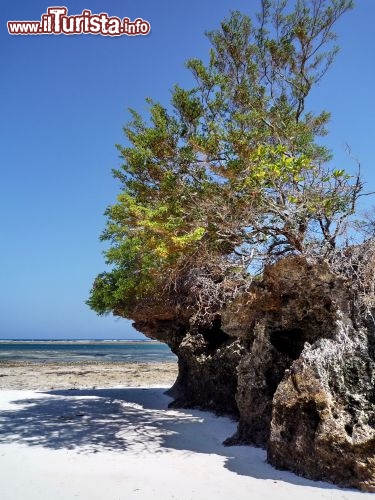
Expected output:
(137, 421)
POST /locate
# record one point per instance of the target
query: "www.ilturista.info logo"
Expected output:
(57, 22)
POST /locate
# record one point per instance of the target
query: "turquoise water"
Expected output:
(75, 351)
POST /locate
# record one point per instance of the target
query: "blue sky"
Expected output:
(63, 104)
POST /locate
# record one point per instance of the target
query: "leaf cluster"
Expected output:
(231, 176)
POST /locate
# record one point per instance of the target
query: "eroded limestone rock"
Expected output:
(295, 362)
(323, 416)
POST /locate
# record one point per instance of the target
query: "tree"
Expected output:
(230, 177)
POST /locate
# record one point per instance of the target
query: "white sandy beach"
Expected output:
(124, 443)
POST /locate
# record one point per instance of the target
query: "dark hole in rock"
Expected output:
(349, 429)
(311, 417)
(287, 297)
(328, 306)
(273, 377)
(214, 336)
(289, 342)
(371, 338)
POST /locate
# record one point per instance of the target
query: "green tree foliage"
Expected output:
(230, 176)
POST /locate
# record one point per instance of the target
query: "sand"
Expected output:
(29, 375)
(124, 443)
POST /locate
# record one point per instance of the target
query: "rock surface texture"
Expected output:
(295, 363)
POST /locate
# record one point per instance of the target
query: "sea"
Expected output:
(42, 351)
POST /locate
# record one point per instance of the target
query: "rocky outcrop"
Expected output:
(292, 305)
(323, 415)
(295, 363)
(207, 374)
(259, 373)
(207, 361)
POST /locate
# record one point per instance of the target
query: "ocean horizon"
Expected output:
(76, 350)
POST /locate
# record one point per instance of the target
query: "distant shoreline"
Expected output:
(83, 350)
(78, 341)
